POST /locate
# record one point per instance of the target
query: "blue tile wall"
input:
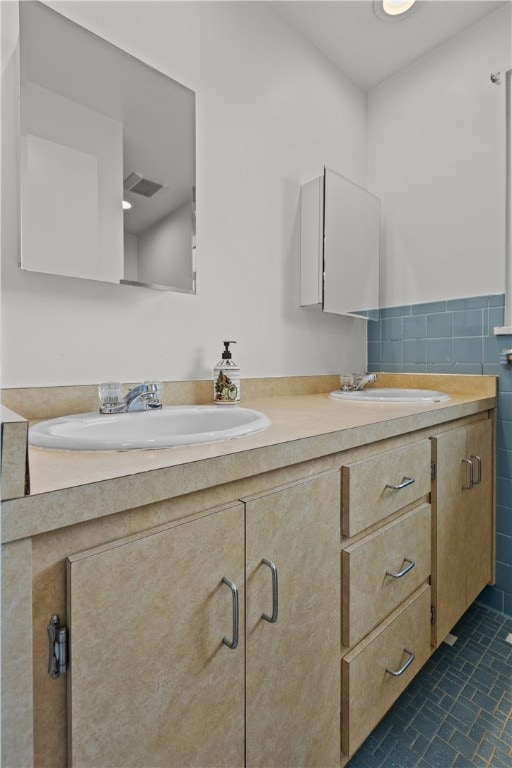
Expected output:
(457, 336)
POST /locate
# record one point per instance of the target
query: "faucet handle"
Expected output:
(154, 390)
(154, 386)
(110, 393)
(346, 381)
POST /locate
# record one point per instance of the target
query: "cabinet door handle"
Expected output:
(404, 570)
(398, 672)
(479, 465)
(405, 482)
(471, 480)
(275, 597)
(233, 643)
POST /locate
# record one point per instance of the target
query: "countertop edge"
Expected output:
(43, 512)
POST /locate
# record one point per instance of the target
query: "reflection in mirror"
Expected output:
(107, 160)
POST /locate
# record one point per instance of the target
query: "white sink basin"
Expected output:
(392, 395)
(165, 428)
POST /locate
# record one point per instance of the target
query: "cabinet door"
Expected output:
(293, 665)
(449, 559)
(463, 521)
(151, 682)
(479, 509)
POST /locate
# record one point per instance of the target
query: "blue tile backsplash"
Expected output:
(457, 336)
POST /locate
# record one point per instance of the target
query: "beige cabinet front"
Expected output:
(293, 625)
(462, 506)
(480, 524)
(153, 678)
(386, 565)
(151, 682)
(381, 666)
(376, 487)
(381, 570)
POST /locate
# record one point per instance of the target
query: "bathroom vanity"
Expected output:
(261, 601)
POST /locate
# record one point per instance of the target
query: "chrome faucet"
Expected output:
(369, 378)
(143, 397)
(361, 380)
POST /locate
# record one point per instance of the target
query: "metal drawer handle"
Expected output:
(479, 465)
(275, 598)
(233, 643)
(471, 479)
(404, 571)
(405, 482)
(405, 666)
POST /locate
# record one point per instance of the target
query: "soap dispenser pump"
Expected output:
(226, 379)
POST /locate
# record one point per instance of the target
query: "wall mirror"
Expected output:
(107, 160)
(340, 223)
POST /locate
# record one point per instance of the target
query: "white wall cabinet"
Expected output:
(339, 249)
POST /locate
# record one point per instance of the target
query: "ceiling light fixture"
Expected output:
(126, 205)
(395, 10)
(396, 7)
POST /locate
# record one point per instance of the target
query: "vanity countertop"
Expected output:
(72, 486)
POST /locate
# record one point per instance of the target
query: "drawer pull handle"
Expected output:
(233, 643)
(479, 466)
(275, 597)
(405, 482)
(403, 571)
(407, 664)
(471, 481)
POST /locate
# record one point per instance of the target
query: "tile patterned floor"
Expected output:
(457, 712)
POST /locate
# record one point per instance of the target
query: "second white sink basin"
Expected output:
(392, 395)
(171, 426)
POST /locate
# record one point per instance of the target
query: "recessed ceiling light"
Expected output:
(396, 7)
(126, 205)
(395, 10)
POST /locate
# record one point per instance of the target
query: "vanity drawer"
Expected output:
(366, 493)
(368, 690)
(370, 592)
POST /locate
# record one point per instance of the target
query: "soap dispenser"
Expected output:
(226, 379)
